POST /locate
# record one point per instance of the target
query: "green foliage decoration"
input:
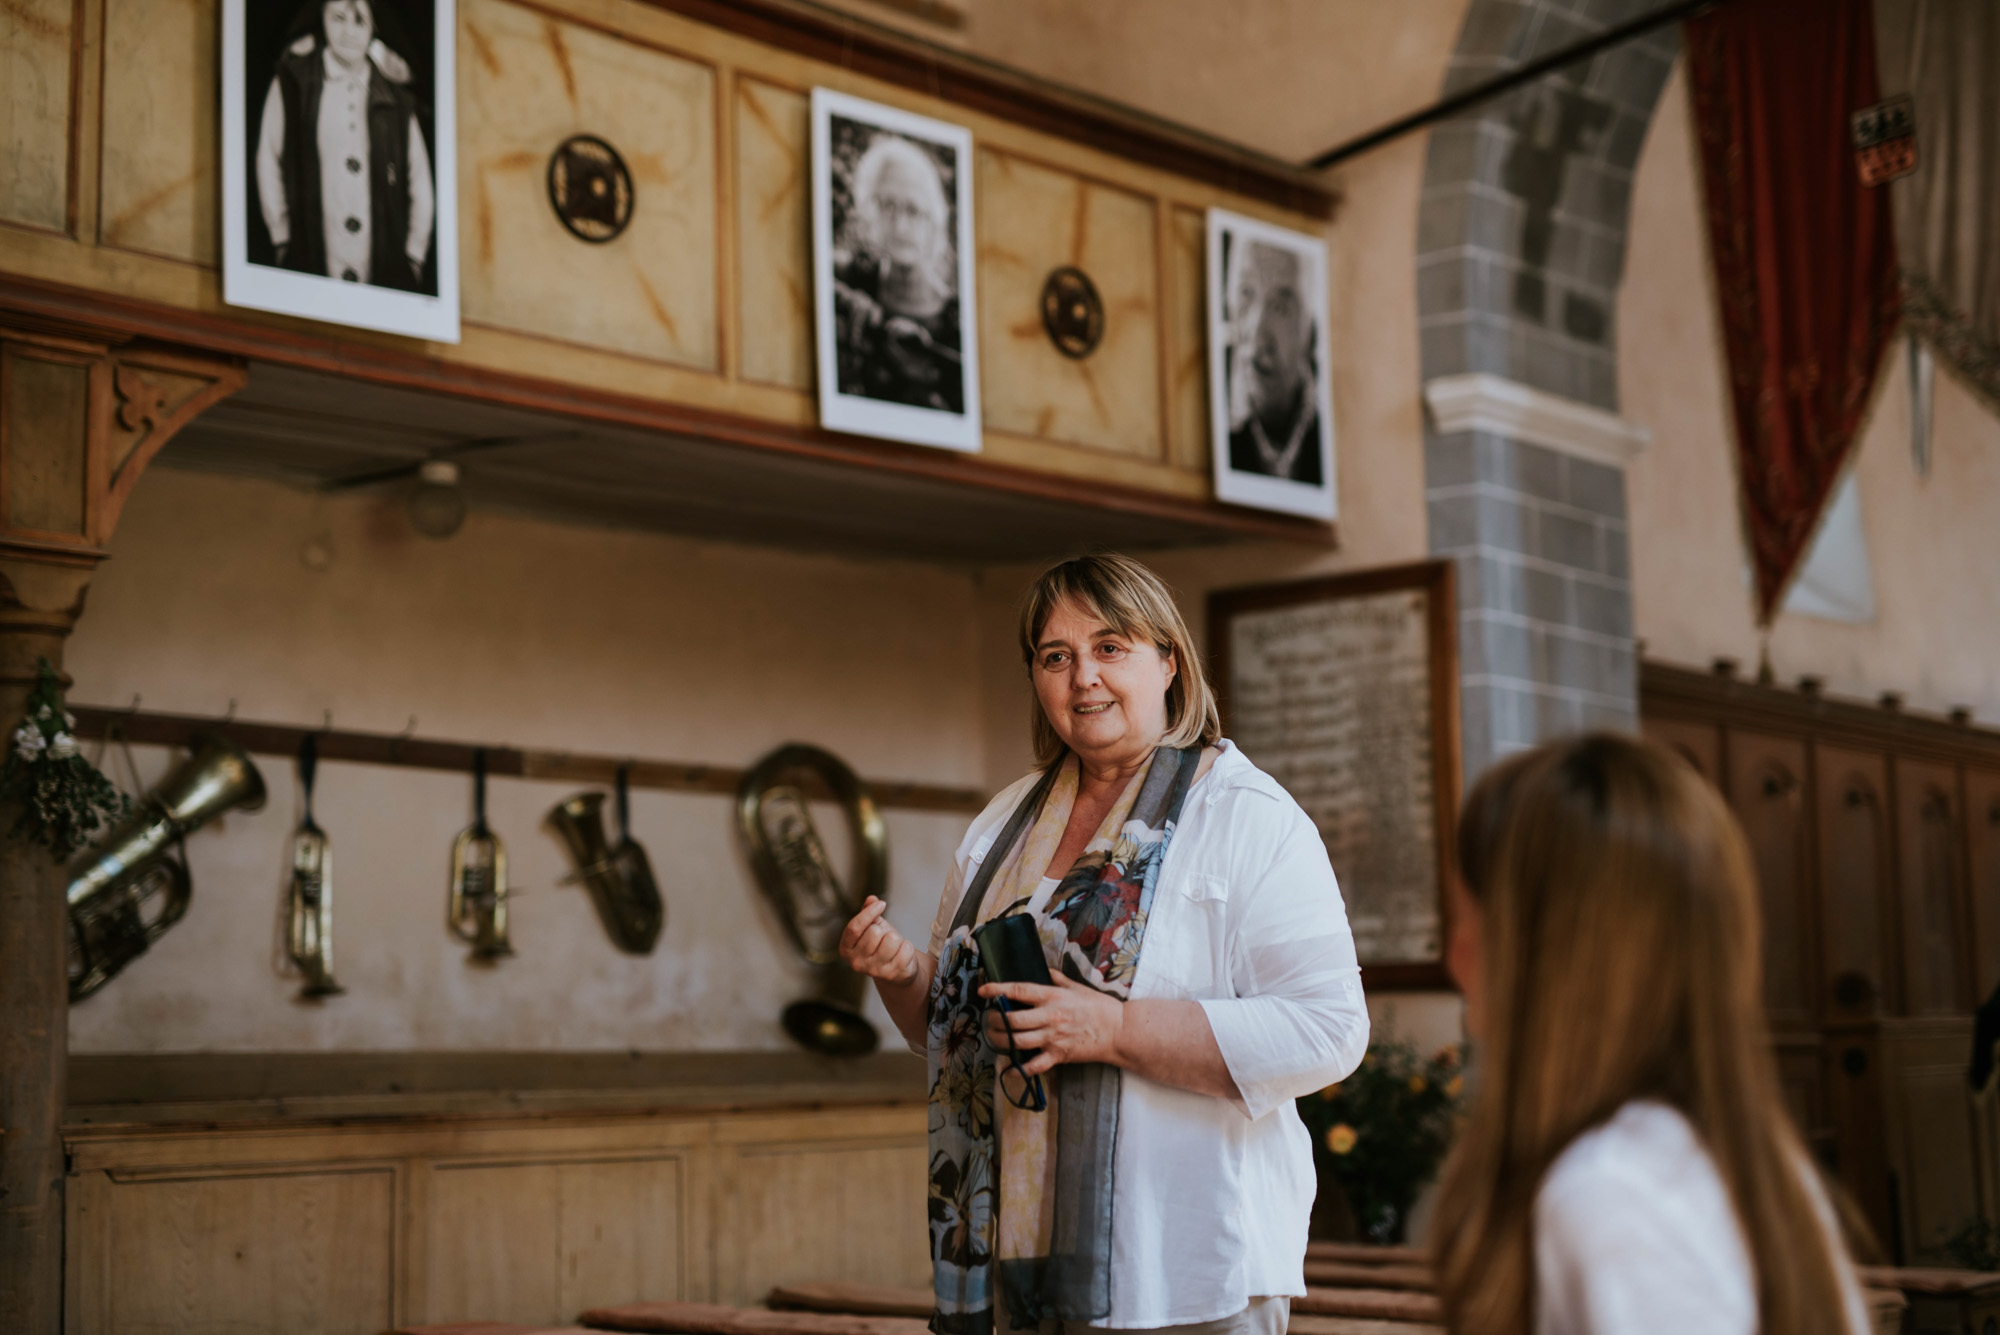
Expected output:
(1379, 1135)
(62, 797)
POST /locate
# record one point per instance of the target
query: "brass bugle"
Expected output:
(792, 868)
(125, 892)
(476, 912)
(309, 922)
(618, 876)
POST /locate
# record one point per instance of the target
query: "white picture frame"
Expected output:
(421, 300)
(1289, 467)
(883, 372)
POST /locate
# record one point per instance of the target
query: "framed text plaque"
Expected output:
(1345, 690)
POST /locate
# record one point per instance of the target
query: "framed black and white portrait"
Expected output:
(892, 273)
(1270, 401)
(338, 162)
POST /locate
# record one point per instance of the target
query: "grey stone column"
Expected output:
(1521, 245)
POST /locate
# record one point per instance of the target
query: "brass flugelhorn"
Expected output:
(133, 885)
(309, 929)
(792, 869)
(619, 876)
(477, 911)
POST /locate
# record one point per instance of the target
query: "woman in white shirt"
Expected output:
(1627, 1165)
(1205, 978)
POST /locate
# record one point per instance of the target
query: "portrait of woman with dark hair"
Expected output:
(343, 175)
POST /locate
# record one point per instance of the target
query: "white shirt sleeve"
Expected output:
(1297, 1021)
(271, 168)
(423, 199)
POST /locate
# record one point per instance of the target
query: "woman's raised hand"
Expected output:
(870, 946)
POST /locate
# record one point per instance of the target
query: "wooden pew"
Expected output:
(714, 1319)
(486, 1328)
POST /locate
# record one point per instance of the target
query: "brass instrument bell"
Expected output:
(619, 876)
(125, 892)
(477, 911)
(309, 930)
(793, 870)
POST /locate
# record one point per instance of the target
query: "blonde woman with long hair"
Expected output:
(1627, 1164)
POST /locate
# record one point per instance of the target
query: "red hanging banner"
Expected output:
(1804, 252)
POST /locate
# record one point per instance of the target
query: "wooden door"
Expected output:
(1851, 820)
(1929, 856)
(1766, 789)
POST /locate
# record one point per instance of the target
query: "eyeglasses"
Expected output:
(1025, 1091)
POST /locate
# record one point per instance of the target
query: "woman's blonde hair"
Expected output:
(1133, 601)
(1621, 948)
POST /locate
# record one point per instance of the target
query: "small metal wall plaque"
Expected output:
(590, 188)
(1072, 312)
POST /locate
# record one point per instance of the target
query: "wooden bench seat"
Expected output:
(856, 1299)
(486, 1328)
(715, 1319)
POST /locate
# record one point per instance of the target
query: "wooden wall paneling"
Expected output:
(1697, 743)
(1982, 820)
(538, 1241)
(1851, 825)
(1032, 219)
(1929, 848)
(773, 129)
(1931, 1132)
(1767, 789)
(794, 1207)
(309, 1249)
(528, 82)
(1184, 335)
(37, 67)
(159, 194)
(1856, 875)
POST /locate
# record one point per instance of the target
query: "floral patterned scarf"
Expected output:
(1026, 1200)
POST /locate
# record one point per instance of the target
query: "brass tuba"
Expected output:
(309, 930)
(477, 910)
(793, 870)
(619, 876)
(129, 889)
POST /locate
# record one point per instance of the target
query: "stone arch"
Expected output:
(1520, 248)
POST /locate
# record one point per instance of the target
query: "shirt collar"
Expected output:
(339, 73)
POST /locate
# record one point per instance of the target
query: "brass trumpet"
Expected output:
(127, 891)
(792, 869)
(309, 935)
(619, 876)
(477, 911)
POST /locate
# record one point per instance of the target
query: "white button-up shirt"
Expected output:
(1213, 1195)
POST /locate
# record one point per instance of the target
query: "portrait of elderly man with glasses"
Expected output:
(1204, 977)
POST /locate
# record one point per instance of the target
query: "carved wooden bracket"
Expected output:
(80, 418)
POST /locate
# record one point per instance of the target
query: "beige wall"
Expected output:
(523, 633)
(1933, 542)
(529, 633)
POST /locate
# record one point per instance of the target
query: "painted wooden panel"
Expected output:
(774, 234)
(538, 1242)
(527, 82)
(1186, 327)
(803, 1211)
(1033, 219)
(1766, 788)
(307, 1252)
(1982, 816)
(35, 42)
(1929, 842)
(160, 190)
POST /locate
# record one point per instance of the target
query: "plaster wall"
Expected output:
(1932, 541)
(522, 633)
